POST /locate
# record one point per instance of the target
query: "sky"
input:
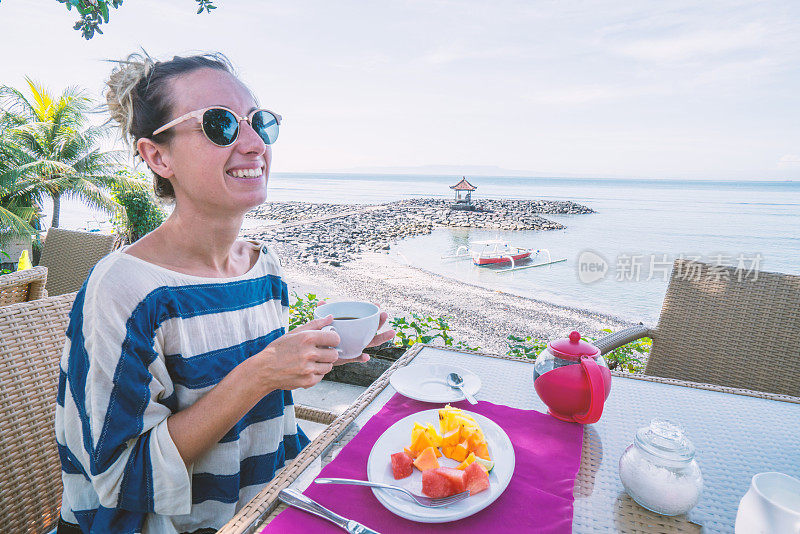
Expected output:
(651, 89)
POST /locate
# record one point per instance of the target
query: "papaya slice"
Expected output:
(427, 460)
(483, 452)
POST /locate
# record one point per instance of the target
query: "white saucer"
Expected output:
(428, 382)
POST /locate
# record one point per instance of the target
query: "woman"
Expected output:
(175, 403)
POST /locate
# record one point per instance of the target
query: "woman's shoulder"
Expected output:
(118, 276)
(269, 260)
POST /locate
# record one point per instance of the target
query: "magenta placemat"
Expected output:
(538, 498)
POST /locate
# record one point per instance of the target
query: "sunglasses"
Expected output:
(221, 125)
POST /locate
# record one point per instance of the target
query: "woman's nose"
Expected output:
(249, 142)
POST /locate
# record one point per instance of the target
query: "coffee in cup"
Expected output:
(356, 323)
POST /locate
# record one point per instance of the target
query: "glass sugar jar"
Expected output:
(659, 470)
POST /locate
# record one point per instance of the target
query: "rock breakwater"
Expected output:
(346, 230)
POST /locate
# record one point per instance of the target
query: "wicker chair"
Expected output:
(70, 255)
(22, 286)
(31, 341)
(720, 327)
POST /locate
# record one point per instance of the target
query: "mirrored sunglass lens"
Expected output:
(266, 125)
(220, 126)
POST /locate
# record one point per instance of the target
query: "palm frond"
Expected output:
(12, 225)
(42, 101)
(16, 104)
(94, 196)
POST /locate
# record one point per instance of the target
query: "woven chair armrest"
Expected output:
(32, 275)
(623, 337)
(21, 286)
(36, 290)
(315, 415)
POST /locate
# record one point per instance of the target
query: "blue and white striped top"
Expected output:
(144, 342)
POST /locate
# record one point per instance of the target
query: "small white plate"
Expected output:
(428, 382)
(397, 436)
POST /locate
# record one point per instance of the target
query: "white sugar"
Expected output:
(659, 488)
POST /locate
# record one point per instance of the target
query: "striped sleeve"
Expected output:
(120, 439)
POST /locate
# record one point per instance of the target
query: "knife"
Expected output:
(297, 499)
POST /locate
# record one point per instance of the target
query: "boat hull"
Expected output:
(504, 259)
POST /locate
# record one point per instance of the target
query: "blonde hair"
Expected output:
(139, 98)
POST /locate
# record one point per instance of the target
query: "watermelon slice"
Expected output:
(476, 478)
(456, 478)
(442, 482)
(402, 465)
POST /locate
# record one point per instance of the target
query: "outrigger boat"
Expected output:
(497, 251)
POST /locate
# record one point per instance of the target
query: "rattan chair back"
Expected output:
(22, 286)
(31, 341)
(69, 255)
(727, 326)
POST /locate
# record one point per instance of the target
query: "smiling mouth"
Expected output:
(246, 173)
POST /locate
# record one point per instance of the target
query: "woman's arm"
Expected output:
(297, 359)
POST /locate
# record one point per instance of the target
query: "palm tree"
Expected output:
(18, 215)
(54, 152)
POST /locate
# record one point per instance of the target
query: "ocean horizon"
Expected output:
(637, 222)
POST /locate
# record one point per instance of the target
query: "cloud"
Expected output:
(789, 161)
(698, 44)
(451, 53)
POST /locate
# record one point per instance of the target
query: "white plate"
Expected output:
(397, 436)
(428, 382)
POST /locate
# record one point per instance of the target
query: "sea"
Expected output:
(617, 260)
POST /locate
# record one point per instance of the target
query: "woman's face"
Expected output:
(206, 176)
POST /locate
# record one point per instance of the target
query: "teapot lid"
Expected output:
(573, 347)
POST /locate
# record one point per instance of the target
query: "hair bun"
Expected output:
(121, 92)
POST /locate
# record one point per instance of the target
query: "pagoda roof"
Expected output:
(463, 185)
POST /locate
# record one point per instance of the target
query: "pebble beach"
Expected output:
(344, 252)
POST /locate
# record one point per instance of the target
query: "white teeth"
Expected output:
(246, 173)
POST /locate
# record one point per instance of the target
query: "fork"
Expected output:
(422, 500)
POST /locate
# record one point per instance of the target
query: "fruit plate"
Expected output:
(428, 382)
(397, 436)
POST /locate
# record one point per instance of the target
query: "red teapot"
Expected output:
(572, 379)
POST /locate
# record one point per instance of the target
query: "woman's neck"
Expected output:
(197, 244)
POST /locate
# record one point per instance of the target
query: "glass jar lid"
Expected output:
(666, 440)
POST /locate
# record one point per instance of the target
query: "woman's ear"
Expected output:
(156, 157)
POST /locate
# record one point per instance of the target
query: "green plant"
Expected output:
(5, 255)
(628, 357)
(625, 358)
(524, 347)
(302, 309)
(142, 213)
(95, 13)
(425, 329)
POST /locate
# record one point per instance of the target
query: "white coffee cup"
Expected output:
(355, 322)
(771, 505)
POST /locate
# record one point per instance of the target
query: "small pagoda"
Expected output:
(463, 185)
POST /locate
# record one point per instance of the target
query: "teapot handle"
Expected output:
(597, 392)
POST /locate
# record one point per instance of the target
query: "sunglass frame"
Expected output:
(198, 114)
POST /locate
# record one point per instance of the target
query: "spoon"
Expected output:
(454, 380)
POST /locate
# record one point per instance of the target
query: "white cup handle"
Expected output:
(330, 328)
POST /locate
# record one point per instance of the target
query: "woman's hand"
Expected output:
(379, 339)
(298, 359)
